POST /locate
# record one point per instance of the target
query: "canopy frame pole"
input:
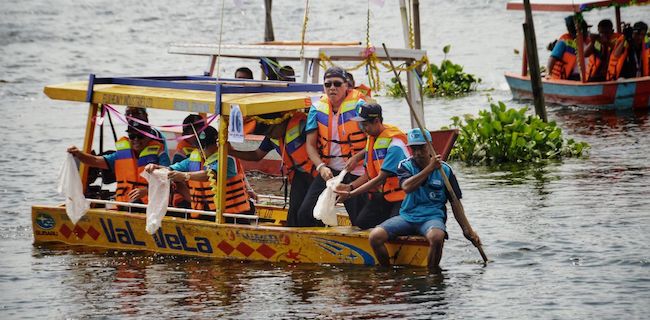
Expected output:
(618, 19)
(581, 47)
(220, 194)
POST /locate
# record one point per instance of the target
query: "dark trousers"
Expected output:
(376, 211)
(299, 187)
(306, 211)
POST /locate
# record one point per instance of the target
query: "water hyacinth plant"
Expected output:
(446, 80)
(504, 134)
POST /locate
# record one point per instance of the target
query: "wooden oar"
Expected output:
(454, 199)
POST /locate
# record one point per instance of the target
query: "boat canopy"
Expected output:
(573, 5)
(190, 93)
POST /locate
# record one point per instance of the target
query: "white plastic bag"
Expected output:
(158, 197)
(325, 209)
(70, 187)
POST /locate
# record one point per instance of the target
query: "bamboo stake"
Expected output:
(454, 199)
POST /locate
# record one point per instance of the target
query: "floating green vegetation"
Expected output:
(503, 135)
(446, 80)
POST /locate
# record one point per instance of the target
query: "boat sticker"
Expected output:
(245, 249)
(79, 231)
(345, 252)
(45, 221)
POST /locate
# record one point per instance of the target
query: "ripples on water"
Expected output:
(568, 239)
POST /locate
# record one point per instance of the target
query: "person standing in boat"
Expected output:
(132, 154)
(194, 171)
(562, 64)
(600, 49)
(288, 139)
(631, 56)
(423, 210)
(385, 149)
(332, 139)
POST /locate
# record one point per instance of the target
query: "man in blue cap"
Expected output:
(423, 210)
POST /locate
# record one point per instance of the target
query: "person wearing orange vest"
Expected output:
(131, 187)
(192, 123)
(288, 139)
(599, 50)
(332, 140)
(385, 149)
(193, 171)
(562, 64)
(631, 56)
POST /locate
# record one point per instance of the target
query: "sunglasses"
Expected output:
(337, 84)
(134, 136)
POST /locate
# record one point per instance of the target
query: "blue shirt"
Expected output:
(312, 122)
(184, 166)
(558, 49)
(163, 160)
(429, 200)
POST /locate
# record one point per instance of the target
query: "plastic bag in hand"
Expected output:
(158, 197)
(325, 209)
(70, 187)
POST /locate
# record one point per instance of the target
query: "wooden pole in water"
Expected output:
(454, 199)
(416, 24)
(405, 22)
(268, 21)
(533, 63)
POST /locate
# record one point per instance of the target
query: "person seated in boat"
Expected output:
(385, 149)
(194, 171)
(362, 87)
(332, 139)
(191, 124)
(631, 55)
(243, 73)
(287, 74)
(142, 115)
(423, 210)
(599, 50)
(288, 139)
(562, 63)
(132, 154)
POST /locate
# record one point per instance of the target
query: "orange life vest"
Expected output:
(376, 150)
(184, 148)
(601, 54)
(563, 67)
(128, 167)
(351, 138)
(202, 196)
(616, 62)
(364, 89)
(294, 149)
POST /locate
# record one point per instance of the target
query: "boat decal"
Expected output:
(345, 252)
(245, 249)
(45, 221)
(79, 232)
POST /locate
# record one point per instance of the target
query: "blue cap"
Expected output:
(415, 137)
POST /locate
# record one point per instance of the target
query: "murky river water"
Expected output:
(569, 239)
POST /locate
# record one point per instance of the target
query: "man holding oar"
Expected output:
(424, 208)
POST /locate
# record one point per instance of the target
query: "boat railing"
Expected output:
(129, 205)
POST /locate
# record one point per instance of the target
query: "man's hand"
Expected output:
(151, 167)
(178, 176)
(343, 190)
(325, 173)
(74, 151)
(472, 236)
(252, 194)
(434, 163)
(137, 193)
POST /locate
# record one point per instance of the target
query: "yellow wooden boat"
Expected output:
(256, 240)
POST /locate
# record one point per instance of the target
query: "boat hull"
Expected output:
(624, 94)
(101, 228)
